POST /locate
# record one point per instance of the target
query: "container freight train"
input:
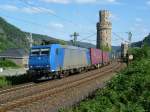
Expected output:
(58, 60)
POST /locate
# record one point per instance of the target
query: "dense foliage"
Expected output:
(7, 63)
(105, 48)
(129, 91)
(140, 53)
(4, 44)
(11, 36)
(13, 80)
(146, 40)
(3, 82)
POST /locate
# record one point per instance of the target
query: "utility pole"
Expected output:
(130, 38)
(129, 55)
(29, 37)
(74, 35)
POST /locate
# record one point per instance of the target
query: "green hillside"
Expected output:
(13, 37)
(146, 40)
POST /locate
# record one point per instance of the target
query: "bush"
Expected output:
(3, 82)
(7, 63)
(140, 53)
(13, 80)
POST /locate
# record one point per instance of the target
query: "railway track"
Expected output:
(29, 95)
(23, 91)
(3, 91)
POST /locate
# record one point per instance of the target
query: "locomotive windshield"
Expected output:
(35, 52)
(44, 51)
(38, 52)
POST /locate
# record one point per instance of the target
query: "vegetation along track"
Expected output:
(26, 96)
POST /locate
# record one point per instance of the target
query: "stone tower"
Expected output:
(104, 27)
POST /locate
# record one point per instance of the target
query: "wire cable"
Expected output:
(85, 38)
(29, 22)
(52, 14)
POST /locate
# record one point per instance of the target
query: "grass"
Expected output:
(13, 80)
(8, 64)
(4, 82)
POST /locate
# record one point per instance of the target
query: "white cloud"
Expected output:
(114, 17)
(8, 7)
(57, 1)
(111, 0)
(138, 19)
(81, 1)
(36, 10)
(85, 1)
(56, 25)
(148, 2)
(30, 10)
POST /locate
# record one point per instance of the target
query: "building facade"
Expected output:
(104, 28)
(18, 56)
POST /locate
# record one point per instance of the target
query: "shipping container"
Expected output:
(74, 57)
(105, 56)
(96, 56)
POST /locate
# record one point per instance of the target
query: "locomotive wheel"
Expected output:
(53, 76)
(57, 75)
(71, 71)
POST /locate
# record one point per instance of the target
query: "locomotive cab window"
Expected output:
(45, 51)
(35, 52)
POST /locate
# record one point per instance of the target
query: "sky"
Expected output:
(60, 18)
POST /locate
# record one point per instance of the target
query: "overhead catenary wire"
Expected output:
(52, 14)
(119, 37)
(29, 22)
(85, 38)
(39, 8)
(43, 26)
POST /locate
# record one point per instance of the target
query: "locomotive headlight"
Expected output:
(53, 70)
(31, 66)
